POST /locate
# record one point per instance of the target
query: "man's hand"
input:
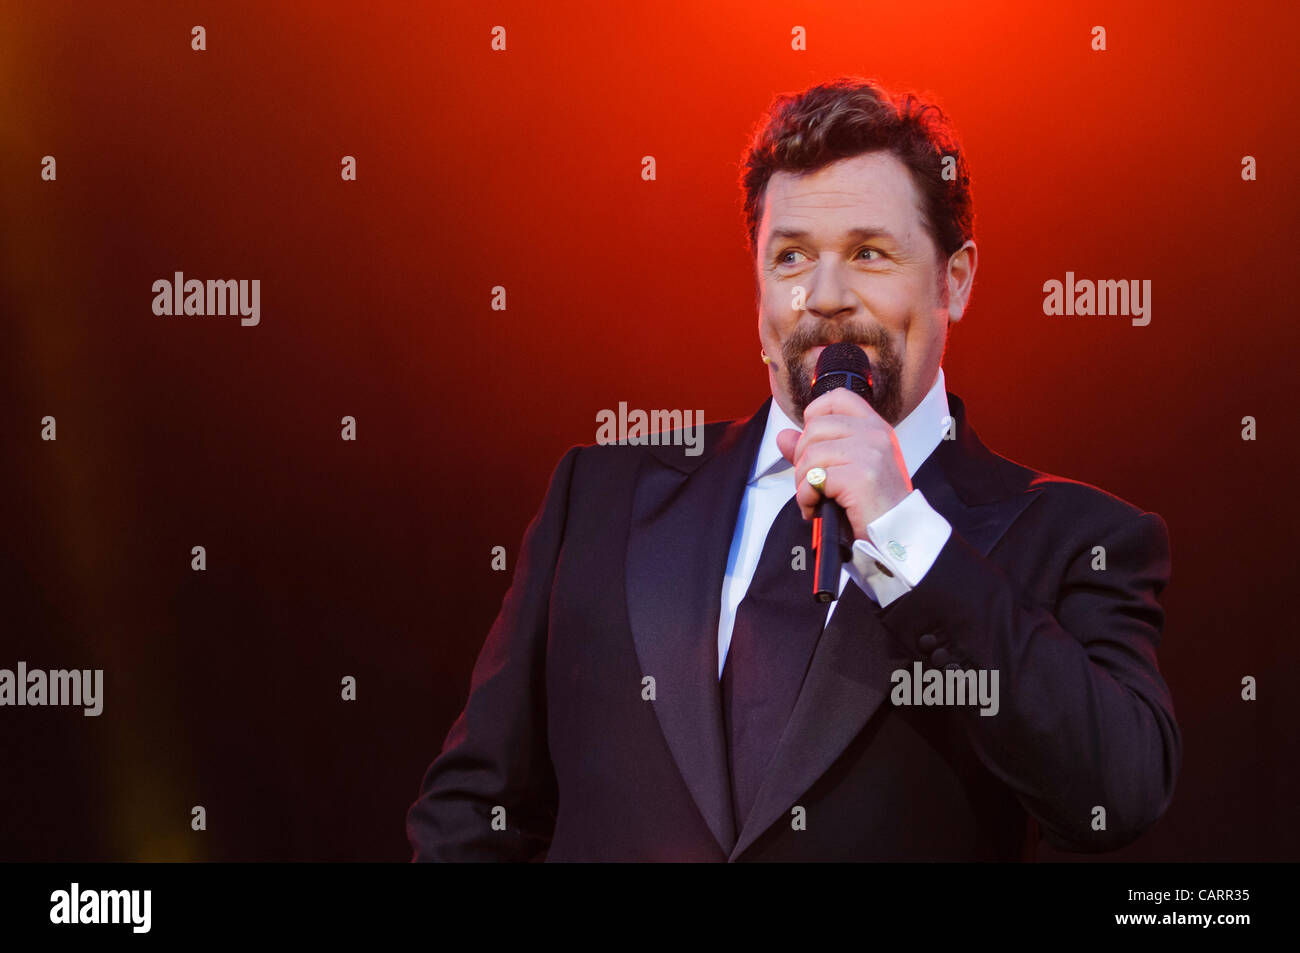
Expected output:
(865, 472)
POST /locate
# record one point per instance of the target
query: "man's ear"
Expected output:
(960, 278)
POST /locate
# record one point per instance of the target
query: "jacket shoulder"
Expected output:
(1067, 497)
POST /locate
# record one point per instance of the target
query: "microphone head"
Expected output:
(843, 365)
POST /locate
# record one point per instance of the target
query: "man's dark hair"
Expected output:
(802, 132)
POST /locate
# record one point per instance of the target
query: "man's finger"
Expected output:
(841, 400)
(822, 429)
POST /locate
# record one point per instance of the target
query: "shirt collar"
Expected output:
(918, 433)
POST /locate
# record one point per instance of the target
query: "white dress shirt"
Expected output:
(905, 541)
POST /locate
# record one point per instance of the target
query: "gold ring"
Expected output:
(816, 478)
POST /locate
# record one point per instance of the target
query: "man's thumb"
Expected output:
(786, 441)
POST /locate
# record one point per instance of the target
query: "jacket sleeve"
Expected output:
(1085, 720)
(495, 757)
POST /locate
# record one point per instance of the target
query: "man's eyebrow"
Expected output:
(856, 234)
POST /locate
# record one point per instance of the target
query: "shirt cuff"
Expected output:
(902, 546)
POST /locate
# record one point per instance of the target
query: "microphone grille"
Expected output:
(843, 365)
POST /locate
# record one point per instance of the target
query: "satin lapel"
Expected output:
(684, 515)
(850, 673)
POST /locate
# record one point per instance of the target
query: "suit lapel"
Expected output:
(683, 518)
(849, 676)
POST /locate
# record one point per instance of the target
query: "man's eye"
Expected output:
(784, 257)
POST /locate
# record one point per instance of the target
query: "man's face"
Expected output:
(851, 236)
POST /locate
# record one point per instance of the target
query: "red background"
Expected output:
(522, 169)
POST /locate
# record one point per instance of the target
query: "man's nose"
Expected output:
(828, 294)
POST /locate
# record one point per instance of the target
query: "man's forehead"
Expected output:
(866, 192)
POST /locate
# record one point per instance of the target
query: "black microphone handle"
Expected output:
(828, 518)
(840, 364)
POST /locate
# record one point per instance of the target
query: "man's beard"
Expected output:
(886, 370)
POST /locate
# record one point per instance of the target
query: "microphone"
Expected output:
(840, 365)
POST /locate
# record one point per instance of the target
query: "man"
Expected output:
(660, 683)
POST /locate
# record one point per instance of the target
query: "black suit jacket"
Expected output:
(620, 577)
